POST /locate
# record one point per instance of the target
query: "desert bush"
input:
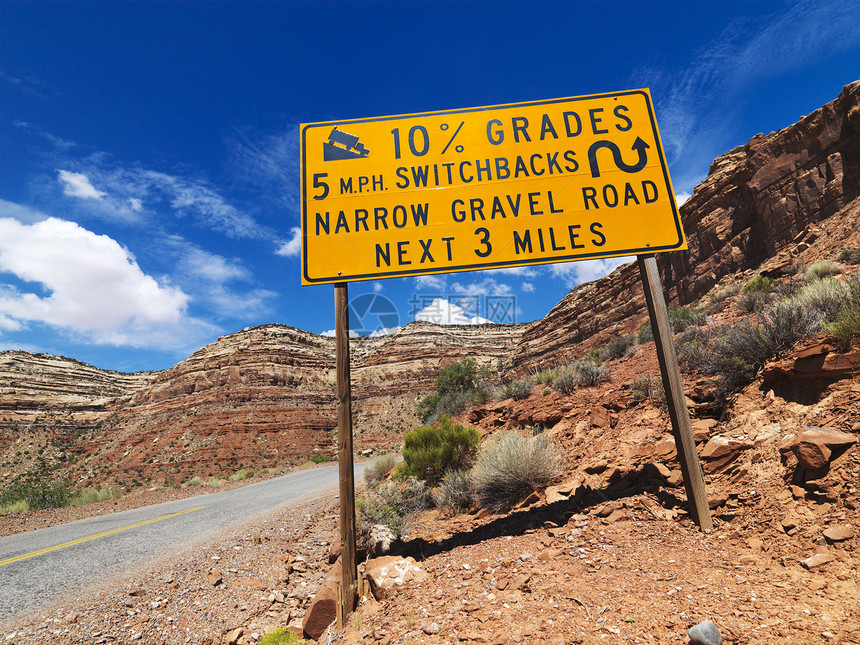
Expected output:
(565, 382)
(787, 323)
(391, 504)
(645, 335)
(194, 481)
(617, 347)
(92, 495)
(37, 495)
(458, 377)
(728, 291)
(318, 458)
(588, 373)
(691, 346)
(827, 297)
(428, 451)
(379, 469)
(682, 318)
(823, 269)
(754, 301)
(846, 327)
(851, 256)
(739, 351)
(281, 636)
(647, 387)
(456, 491)
(510, 466)
(427, 407)
(516, 389)
(545, 376)
(761, 284)
(241, 475)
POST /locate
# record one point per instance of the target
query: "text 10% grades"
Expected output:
(419, 140)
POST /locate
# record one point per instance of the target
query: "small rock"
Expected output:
(214, 578)
(705, 633)
(432, 628)
(839, 533)
(817, 560)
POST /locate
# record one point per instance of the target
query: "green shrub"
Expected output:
(516, 389)
(851, 256)
(37, 495)
(317, 458)
(645, 334)
(617, 347)
(428, 451)
(245, 473)
(456, 491)
(458, 377)
(427, 408)
(379, 469)
(281, 636)
(761, 284)
(682, 318)
(511, 466)
(194, 481)
(823, 269)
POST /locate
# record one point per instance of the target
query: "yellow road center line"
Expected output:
(24, 556)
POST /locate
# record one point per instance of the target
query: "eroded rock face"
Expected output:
(262, 397)
(758, 200)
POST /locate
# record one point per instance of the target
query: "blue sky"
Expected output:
(149, 153)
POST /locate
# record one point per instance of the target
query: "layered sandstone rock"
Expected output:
(758, 201)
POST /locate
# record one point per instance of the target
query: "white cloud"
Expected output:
(21, 213)
(527, 287)
(486, 287)
(680, 198)
(443, 312)
(292, 247)
(575, 273)
(135, 204)
(434, 282)
(77, 184)
(209, 266)
(331, 333)
(89, 286)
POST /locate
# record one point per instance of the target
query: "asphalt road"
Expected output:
(48, 565)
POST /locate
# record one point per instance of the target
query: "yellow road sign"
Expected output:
(481, 188)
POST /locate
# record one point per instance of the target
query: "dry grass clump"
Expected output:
(379, 469)
(510, 466)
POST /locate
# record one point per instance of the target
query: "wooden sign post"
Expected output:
(348, 595)
(694, 482)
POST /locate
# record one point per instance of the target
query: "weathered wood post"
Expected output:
(694, 481)
(347, 596)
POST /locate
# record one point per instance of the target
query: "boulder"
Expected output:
(390, 571)
(323, 608)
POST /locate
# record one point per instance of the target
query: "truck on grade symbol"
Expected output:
(349, 148)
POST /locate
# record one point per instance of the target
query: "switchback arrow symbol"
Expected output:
(639, 146)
